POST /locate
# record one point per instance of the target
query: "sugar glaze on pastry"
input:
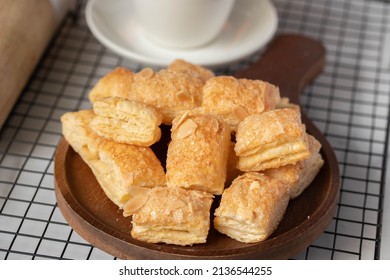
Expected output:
(198, 153)
(235, 99)
(272, 139)
(173, 215)
(116, 83)
(251, 208)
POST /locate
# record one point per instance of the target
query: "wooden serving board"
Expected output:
(100, 222)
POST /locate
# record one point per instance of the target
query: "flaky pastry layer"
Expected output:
(116, 83)
(270, 140)
(299, 176)
(126, 121)
(235, 99)
(117, 167)
(251, 208)
(171, 92)
(198, 153)
(173, 215)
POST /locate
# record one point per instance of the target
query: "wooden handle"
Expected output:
(25, 29)
(290, 62)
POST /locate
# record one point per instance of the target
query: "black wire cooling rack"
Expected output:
(349, 102)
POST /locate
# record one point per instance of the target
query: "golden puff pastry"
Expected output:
(116, 83)
(75, 129)
(171, 92)
(299, 176)
(117, 167)
(251, 208)
(270, 140)
(126, 121)
(180, 65)
(198, 152)
(171, 215)
(235, 99)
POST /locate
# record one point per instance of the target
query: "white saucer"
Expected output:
(250, 26)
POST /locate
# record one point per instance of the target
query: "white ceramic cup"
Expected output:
(182, 23)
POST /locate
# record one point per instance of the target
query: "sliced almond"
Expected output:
(271, 97)
(215, 124)
(133, 205)
(187, 128)
(175, 204)
(146, 73)
(190, 208)
(134, 191)
(182, 118)
(183, 96)
(200, 194)
(240, 112)
(260, 106)
(254, 185)
(129, 178)
(162, 191)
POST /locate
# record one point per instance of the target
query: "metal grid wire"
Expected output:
(349, 102)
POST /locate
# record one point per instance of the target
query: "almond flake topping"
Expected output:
(134, 191)
(183, 96)
(162, 191)
(254, 185)
(182, 118)
(129, 177)
(199, 194)
(175, 204)
(146, 73)
(260, 106)
(187, 128)
(240, 112)
(270, 98)
(135, 204)
(215, 124)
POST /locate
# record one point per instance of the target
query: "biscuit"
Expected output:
(270, 140)
(172, 215)
(299, 176)
(198, 152)
(117, 167)
(251, 208)
(116, 83)
(235, 99)
(172, 93)
(126, 121)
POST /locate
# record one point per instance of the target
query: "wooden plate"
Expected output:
(100, 222)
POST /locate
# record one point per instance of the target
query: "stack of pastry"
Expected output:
(119, 168)
(279, 160)
(231, 137)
